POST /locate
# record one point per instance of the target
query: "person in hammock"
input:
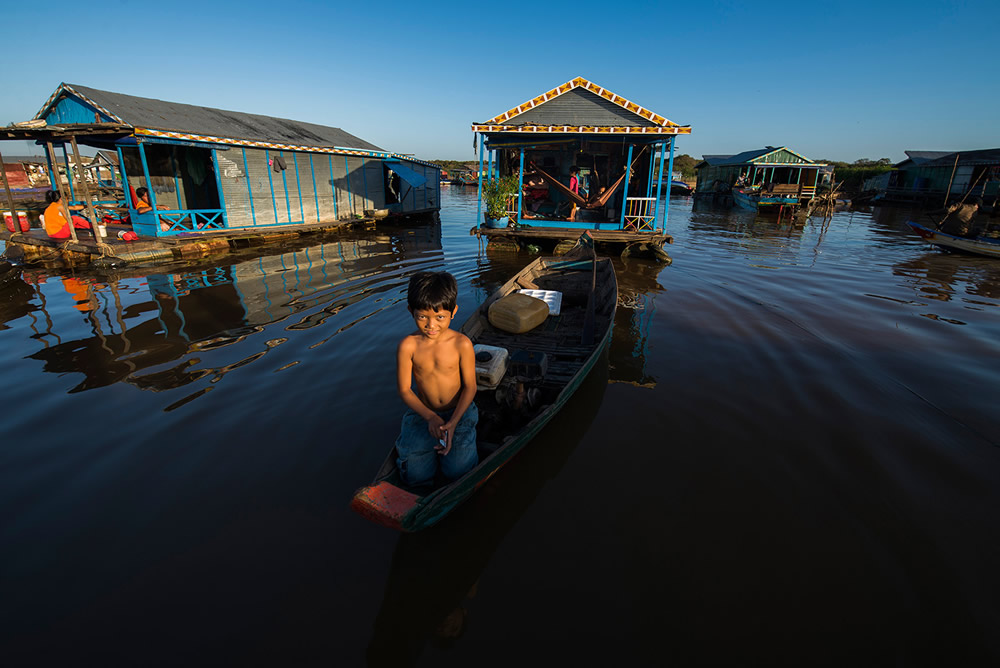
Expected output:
(536, 192)
(596, 200)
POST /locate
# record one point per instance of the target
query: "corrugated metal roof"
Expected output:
(920, 157)
(714, 160)
(580, 107)
(747, 156)
(141, 112)
(986, 156)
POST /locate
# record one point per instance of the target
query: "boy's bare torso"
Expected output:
(436, 372)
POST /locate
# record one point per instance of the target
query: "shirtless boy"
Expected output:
(436, 378)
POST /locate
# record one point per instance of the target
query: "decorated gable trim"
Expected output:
(585, 129)
(580, 82)
(63, 88)
(763, 158)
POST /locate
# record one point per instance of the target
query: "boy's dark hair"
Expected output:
(574, 169)
(139, 192)
(432, 291)
(52, 196)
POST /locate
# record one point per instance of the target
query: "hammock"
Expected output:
(593, 202)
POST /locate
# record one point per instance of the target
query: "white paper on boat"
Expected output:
(553, 298)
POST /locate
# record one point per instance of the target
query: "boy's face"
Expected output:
(431, 323)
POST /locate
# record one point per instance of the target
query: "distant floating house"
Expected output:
(23, 171)
(103, 169)
(769, 176)
(935, 176)
(620, 149)
(209, 169)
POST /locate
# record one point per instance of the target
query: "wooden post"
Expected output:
(94, 222)
(10, 196)
(947, 192)
(59, 189)
(479, 183)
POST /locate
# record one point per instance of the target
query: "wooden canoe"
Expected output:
(508, 419)
(980, 246)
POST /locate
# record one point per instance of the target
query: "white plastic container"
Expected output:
(490, 372)
(551, 297)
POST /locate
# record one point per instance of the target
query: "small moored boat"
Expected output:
(545, 365)
(988, 246)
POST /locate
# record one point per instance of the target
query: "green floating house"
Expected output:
(936, 176)
(764, 176)
(209, 170)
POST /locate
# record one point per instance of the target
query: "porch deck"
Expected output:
(617, 240)
(35, 246)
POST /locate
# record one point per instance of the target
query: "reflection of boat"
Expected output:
(980, 245)
(433, 572)
(562, 350)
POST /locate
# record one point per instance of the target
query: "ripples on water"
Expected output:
(795, 461)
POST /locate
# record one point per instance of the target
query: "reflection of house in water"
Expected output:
(219, 306)
(945, 278)
(15, 297)
(637, 290)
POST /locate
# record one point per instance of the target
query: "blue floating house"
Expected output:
(623, 154)
(209, 170)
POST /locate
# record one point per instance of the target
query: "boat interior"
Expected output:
(543, 361)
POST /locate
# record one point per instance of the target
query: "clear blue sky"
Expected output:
(837, 80)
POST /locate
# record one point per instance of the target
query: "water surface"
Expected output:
(790, 457)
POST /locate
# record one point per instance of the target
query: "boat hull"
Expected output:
(978, 246)
(754, 201)
(387, 503)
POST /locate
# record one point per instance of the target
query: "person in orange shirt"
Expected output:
(56, 225)
(145, 207)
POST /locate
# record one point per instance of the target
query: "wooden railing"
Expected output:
(639, 214)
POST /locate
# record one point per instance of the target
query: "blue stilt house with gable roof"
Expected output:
(209, 169)
(623, 153)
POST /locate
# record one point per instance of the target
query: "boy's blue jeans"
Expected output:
(418, 461)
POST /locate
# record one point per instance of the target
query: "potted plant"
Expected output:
(496, 194)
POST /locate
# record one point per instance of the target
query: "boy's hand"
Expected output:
(435, 426)
(448, 429)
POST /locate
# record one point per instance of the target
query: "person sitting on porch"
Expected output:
(574, 186)
(144, 206)
(56, 225)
